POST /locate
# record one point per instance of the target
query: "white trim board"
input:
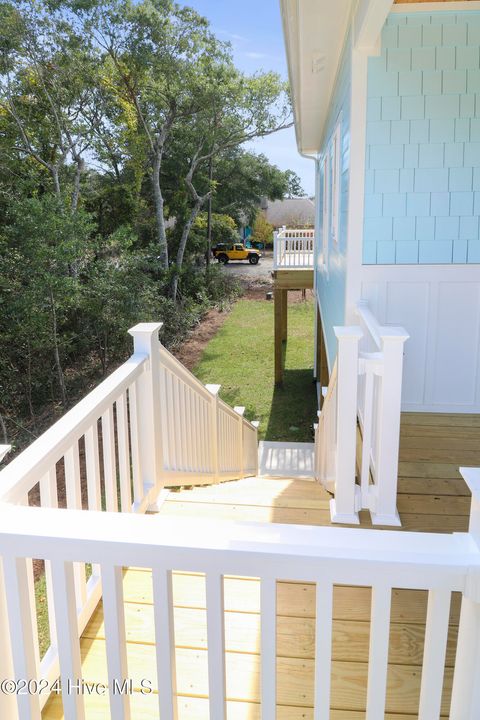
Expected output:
(429, 7)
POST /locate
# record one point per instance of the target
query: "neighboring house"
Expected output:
(290, 212)
(389, 109)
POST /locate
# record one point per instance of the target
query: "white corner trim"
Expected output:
(356, 188)
(369, 20)
(436, 6)
(421, 273)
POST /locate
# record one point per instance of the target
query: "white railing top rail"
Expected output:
(376, 331)
(304, 553)
(176, 367)
(296, 233)
(19, 476)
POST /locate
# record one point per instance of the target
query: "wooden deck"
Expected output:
(432, 497)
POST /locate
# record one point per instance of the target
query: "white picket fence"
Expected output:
(325, 556)
(293, 249)
(149, 424)
(364, 395)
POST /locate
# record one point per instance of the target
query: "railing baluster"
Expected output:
(49, 498)
(435, 648)
(109, 460)
(165, 643)
(74, 502)
(134, 439)
(123, 455)
(216, 646)
(323, 650)
(23, 631)
(268, 624)
(92, 461)
(378, 653)
(63, 581)
(115, 640)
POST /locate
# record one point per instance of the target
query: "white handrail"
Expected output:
(151, 423)
(379, 410)
(437, 563)
(368, 392)
(28, 468)
(326, 436)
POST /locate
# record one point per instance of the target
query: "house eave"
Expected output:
(315, 32)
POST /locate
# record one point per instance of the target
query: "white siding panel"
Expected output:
(440, 309)
(456, 344)
(407, 305)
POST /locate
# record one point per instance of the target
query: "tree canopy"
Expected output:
(122, 150)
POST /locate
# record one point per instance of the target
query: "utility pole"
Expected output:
(209, 215)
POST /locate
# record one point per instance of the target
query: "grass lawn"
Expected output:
(240, 358)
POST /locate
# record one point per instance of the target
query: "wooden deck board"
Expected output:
(432, 497)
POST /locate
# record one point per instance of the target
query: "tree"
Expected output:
(262, 230)
(295, 188)
(243, 179)
(185, 95)
(47, 93)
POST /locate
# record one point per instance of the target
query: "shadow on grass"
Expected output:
(294, 407)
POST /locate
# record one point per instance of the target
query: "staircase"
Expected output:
(286, 459)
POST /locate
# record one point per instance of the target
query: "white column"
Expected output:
(214, 390)
(465, 703)
(256, 424)
(8, 703)
(240, 412)
(388, 421)
(150, 440)
(343, 506)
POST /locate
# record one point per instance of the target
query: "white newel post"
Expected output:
(256, 425)
(384, 511)
(275, 249)
(145, 341)
(343, 506)
(240, 412)
(465, 703)
(214, 390)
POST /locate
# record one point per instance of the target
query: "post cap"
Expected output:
(239, 410)
(213, 389)
(145, 328)
(352, 332)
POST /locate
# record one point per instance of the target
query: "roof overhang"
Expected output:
(315, 32)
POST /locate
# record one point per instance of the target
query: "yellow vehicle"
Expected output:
(224, 252)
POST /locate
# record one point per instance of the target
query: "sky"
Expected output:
(254, 29)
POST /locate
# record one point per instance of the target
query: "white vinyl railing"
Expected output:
(202, 436)
(368, 398)
(325, 556)
(326, 436)
(293, 249)
(149, 424)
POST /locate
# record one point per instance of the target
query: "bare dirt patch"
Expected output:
(190, 351)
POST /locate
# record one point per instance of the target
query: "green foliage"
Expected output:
(262, 230)
(224, 229)
(118, 119)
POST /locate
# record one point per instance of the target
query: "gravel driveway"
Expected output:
(259, 273)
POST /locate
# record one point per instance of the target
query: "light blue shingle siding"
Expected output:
(422, 189)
